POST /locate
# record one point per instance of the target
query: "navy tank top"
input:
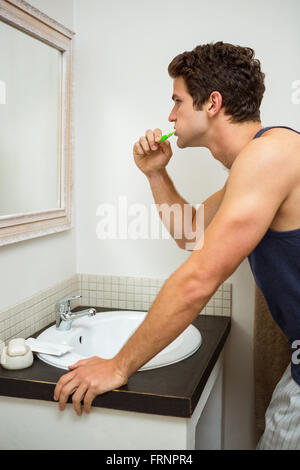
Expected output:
(275, 264)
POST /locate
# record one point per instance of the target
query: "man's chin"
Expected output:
(180, 143)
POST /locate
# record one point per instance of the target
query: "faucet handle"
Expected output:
(64, 305)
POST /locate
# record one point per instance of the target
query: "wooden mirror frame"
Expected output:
(18, 227)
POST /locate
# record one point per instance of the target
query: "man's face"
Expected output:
(189, 123)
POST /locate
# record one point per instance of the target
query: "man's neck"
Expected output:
(226, 142)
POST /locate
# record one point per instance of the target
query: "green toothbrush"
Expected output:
(165, 137)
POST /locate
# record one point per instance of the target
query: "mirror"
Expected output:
(30, 123)
(35, 123)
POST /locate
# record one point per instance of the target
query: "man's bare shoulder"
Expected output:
(263, 169)
(275, 154)
(281, 136)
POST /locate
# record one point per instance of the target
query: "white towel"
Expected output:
(48, 348)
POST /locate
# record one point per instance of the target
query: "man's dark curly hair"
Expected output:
(231, 70)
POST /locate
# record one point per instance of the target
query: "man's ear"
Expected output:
(214, 103)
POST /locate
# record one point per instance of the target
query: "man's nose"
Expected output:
(172, 116)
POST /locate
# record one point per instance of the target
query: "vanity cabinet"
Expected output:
(174, 407)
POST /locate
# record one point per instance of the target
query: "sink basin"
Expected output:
(105, 334)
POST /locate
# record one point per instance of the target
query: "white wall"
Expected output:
(60, 10)
(32, 265)
(123, 49)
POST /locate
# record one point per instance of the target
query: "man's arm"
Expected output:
(179, 217)
(165, 195)
(211, 207)
(170, 204)
(259, 182)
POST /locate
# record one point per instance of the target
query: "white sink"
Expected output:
(105, 334)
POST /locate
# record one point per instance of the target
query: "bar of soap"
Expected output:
(17, 347)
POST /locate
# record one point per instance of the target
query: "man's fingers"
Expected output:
(145, 145)
(138, 149)
(82, 362)
(88, 399)
(157, 135)
(66, 391)
(151, 139)
(148, 143)
(61, 383)
(78, 396)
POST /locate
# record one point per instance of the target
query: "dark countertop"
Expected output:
(172, 390)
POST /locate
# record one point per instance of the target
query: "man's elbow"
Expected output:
(199, 288)
(183, 245)
(190, 245)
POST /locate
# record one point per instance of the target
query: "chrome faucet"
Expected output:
(64, 316)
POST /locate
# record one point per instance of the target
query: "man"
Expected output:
(218, 89)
